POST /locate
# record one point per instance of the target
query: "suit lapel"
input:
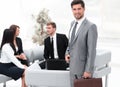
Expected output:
(79, 30)
(57, 41)
(49, 41)
(50, 48)
(70, 29)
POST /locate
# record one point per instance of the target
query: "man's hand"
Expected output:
(67, 58)
(86, 75)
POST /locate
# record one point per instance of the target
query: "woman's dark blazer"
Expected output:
(20, 50)
(19, 44)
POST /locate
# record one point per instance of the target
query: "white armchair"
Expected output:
(4, 79)
(35, 53)
(47, 78)
(32, 54)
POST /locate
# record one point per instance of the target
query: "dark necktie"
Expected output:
(73, 31)
(52, 48)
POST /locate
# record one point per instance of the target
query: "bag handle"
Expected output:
(76, 77)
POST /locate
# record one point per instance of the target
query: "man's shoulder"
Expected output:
(89, 22)
(47, 38)
(60, 35)
(72, 22)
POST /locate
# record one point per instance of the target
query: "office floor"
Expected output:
(113, 80)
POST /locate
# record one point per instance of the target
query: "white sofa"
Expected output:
(55, 78)
(35, 53)
(3, 79)
(47, 78)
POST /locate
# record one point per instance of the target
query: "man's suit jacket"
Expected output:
(83, 49)
(62, 43)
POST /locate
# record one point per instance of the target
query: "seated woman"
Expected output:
(18, 45)
(9, 64)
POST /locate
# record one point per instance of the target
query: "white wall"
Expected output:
(110, 17)
(104, 13)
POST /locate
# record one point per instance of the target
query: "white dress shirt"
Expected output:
(7, 56)
(55, 45)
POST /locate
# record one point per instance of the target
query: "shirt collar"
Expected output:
(81, 20)
(54, 36)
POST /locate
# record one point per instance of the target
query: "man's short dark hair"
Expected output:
(75, 2)
(52, 23)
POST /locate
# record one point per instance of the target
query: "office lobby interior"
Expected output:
(104, 13)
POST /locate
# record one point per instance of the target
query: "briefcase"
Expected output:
(91, 82)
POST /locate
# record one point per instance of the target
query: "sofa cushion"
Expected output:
(4, 78)
(35, 53)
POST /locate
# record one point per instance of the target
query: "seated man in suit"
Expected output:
(55, 45)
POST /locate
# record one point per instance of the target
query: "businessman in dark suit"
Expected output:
(56, 44)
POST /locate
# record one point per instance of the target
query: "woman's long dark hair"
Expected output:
(8, 37)
(14, 27)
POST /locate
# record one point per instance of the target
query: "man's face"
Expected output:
(50, 30)
(78, 11)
